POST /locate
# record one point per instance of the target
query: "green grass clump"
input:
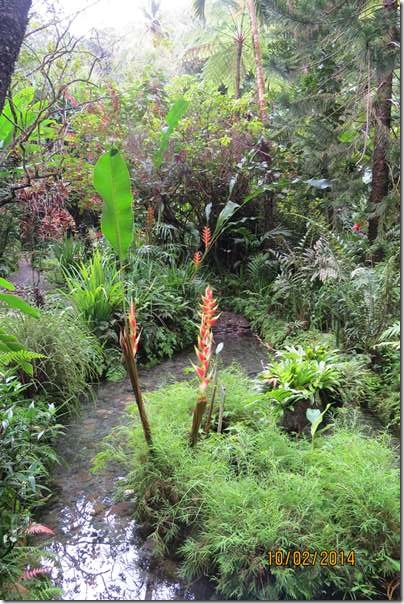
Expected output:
(72, 355)
(225, 504)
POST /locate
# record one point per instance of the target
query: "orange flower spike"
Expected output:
(197, 259)
(205, 339)
(133, 335)
(206, 236)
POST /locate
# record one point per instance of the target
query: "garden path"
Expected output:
(29, 282)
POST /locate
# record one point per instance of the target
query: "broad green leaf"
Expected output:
(7, 284)
(348, 136)
(21, 102)
(313, 415)
(176, 113)
(229, 209)
(18, 303)
(225, 215)
(319, 183)
(112, 183)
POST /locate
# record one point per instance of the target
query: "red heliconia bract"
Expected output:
(129, 341)
(134, 337)
(206, 236)
(197, 259)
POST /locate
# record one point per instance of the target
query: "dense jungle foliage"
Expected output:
(241, 156)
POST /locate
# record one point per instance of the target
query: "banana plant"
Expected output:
(112, 183)
(173, 118)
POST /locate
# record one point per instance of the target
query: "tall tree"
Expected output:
(199, 7)
(259, 70)
(226, 50)
(382, 118)
(340, 60)
(13, 23)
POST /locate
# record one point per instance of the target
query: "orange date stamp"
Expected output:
(280, 557)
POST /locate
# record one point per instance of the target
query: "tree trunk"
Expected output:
(239, 40)
(13, 23)
(258, 62)
(382, 118)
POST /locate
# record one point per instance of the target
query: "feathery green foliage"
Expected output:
(71, 356)
(251, 490)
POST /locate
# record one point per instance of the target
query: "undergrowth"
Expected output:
(223, 506)
(72, 356)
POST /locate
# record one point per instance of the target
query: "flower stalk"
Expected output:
(129, 341)
(209, 316)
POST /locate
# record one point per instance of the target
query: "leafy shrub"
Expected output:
(97, 291)
(251, 490)
(68, 252)
(301, 375)
(72, 356)
(166, 297)
(27, 429)
(386, 402)
(63, 255)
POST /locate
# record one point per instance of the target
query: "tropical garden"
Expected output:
(200, 300)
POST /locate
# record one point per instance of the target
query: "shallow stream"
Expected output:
(98, 552)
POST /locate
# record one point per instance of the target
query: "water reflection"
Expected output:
(97, 558)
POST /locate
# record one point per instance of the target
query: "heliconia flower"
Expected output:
(197, 259)
(206, 236)
(134, 337)
(203, 351)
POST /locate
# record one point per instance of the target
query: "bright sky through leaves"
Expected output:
(115, 14)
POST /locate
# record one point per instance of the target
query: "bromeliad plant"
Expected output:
(300, 375)
(203, 351)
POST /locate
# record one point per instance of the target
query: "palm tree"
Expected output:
(199, 8)
(227, 52)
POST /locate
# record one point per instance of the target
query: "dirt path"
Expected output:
(28, 280)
